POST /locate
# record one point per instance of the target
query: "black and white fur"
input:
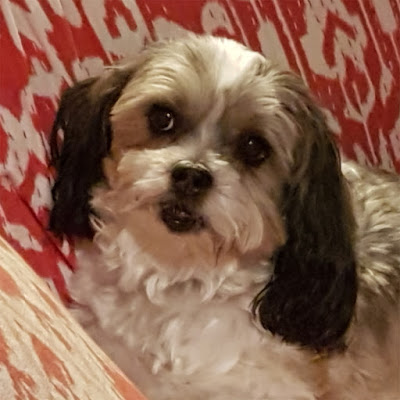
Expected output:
(222, 253)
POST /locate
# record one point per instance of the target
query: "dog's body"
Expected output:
(222, 216)
(182, 332)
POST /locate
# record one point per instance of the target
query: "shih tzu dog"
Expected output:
(224, 251)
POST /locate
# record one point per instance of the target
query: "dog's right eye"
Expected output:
(162, 120)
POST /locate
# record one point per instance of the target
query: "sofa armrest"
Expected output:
(44, 353)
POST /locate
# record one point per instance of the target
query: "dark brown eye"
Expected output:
(252, 149)
(162, 120)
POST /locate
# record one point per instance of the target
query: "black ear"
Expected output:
(83, 118)
(311, 297)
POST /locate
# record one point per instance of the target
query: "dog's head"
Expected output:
(210, 137)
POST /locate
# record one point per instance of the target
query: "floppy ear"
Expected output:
(311, 297)
(83, 118)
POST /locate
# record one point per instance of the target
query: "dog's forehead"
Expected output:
(227, 66)
(199, 70)
(232, 63)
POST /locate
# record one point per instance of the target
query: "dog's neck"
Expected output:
(138, 253)
(169, 293)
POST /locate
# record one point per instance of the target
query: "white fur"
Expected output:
(178, 322)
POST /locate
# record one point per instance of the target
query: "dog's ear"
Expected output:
(311, 297)
(83, 120)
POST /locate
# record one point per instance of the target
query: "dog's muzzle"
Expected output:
(189, 183)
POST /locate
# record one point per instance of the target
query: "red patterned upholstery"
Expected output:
(348, 51)
(44, 353)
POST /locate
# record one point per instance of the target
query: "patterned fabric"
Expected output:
(348, 52)
(44, 353)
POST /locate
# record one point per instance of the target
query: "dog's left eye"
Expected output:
(161, 119)
(252, 149)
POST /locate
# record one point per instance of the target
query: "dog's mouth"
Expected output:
(178, 217)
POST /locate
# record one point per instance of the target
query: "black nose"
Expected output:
(190, 179)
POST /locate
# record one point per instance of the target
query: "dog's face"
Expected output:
(209, 137)
(201, 135)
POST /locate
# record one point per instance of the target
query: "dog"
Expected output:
(224, 250)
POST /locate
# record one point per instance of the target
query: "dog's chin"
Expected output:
(179, 217)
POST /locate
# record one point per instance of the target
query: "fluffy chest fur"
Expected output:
(182, 329)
